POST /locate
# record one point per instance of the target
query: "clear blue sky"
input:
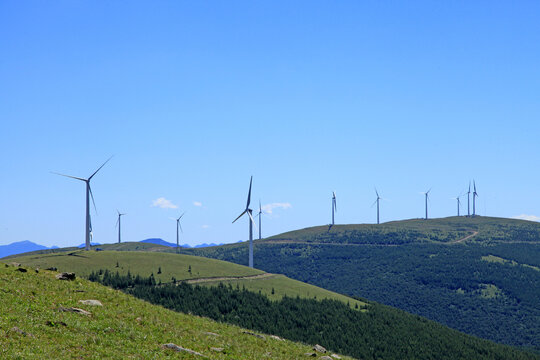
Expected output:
(308, 97)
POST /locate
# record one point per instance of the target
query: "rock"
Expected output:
(311, 354)
(19, 331)
(22, 269)
(138, 320)
(253, 334)
(75, 310)
(275, 337)
(51, 269)
(179, 349)
(325, 358)
(66, 276)
(216, 349)
(319, 348)
(36, 270)
(335, 356)
(91, 302)
(211, 333)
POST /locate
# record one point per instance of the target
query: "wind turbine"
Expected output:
(427, 196)
(259, 214)
(119, 224)
(88, 229)
(469, 200)
(177, 235)
(334, 206)
(474, 196)
(458, 204)
(377, 201)
(251, 222)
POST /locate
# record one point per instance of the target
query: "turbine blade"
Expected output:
(376, 192)
(69, 176)
(100, 168)
(92, 196)
(239, 216)
(118, 220)
(372, 205)
(182, 231)
(251, 217)
(181, 215)
(249, 193)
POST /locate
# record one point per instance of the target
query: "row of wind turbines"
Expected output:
(247, 210)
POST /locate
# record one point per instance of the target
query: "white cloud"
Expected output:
(163, 203)
(268, 208)
(205, 226)
(197, 203)
(527, 217)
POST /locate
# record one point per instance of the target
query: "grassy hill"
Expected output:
(33, 325)
(166, 266)
(478, 275)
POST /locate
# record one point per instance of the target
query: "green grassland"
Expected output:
(32, 327)
(177, 266)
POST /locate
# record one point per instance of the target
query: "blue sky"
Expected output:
(309, 97)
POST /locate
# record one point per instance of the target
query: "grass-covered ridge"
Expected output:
(33, 327)
(166, 266)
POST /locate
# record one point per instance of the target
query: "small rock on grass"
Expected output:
(75, 310)
(275, 337)
(216, 349)
(22, 269)
(319, 348)
(253, 334)
(211, 333)
(179, 349)
(19, 331)
(66, 276)
(335, 356)
(325, 358)
(91, 302)
(311, 354)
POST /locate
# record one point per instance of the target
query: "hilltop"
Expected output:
(39, 319)
(478, 275)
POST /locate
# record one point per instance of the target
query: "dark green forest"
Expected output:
(376, 332)
(450, 284)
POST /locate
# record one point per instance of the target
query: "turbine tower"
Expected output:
(427, 196)
(334, 206)
(178, 226)
(119, 224)
(469, 200)
(88, 228)
(251, 222)
(474, 196)
(377, 202)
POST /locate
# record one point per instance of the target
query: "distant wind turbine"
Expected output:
(251, 222)
(427, 196)
(474, 196)
(377, 202)
(259, 214)
(119, 224)
(334, 206)
(469, 200)
(178, 226)
(458, 204)
(88, 229)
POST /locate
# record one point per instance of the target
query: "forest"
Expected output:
(374, 332)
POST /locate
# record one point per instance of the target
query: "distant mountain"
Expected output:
(159, 241)
(19, 248)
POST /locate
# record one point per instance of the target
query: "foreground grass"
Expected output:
(123, 328)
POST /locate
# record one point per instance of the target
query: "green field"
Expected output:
(32, 327)
(177, 265)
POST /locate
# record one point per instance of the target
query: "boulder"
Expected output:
(75, 310)
(175, 347)
(335, 356)
(311, 354)
(319, 348)
(253, 334)
(22, 269)
(91, 302)
(66, 276)
(275, 337)
(216, 349)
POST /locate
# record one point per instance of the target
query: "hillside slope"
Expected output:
(34, 324)
(485, 285)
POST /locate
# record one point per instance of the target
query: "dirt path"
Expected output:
(229, 278)
(465, 238)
